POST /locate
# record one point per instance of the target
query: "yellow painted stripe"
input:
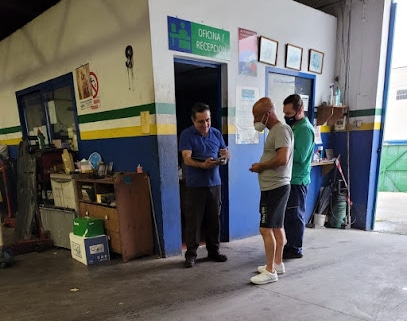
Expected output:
(12, 141)
(166, 129)
(228, 129)
(116, 133)
(366, 126)
(325, 129)
(134, 131)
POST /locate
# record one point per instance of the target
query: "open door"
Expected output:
(199, 82)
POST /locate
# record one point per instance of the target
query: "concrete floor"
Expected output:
(344, 275)
(391, 213)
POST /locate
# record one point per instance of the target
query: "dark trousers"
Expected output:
(294, 223)
(202, 209)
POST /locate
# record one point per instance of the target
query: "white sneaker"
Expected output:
(264, 277)
(280, 268)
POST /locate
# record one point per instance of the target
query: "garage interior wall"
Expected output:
(363, 28)
(98, 32)
(72, 34)
(269, 19)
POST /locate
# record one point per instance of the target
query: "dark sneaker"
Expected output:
(292, 255)
(217, 257)
(189, 262)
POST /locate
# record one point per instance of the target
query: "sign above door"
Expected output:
(190, 37)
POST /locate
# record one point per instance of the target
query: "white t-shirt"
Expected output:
(280, 135)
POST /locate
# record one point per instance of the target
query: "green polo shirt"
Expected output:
(304, 137)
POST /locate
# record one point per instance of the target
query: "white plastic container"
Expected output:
(319, 220)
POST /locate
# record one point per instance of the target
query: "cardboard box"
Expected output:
(88, 226)
(89, 250)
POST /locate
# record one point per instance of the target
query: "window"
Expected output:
(401, 94)
(50, 108)
(282, 82)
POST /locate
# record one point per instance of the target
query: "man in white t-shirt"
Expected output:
(274, 171)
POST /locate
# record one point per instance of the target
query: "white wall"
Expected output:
(396, 112)
(73, 33)
(281, 20)
(362, 44)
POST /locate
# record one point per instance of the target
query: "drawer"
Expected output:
(107, 214)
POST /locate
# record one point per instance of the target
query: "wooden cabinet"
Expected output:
(330, 114)
(123, 202)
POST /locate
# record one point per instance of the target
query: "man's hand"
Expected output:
(211, 163)
(256, 168)
(224, 153)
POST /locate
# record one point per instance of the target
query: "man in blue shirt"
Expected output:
(203, 150)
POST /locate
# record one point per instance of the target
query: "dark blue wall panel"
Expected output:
(362, 183)
(244, 190)
(170, 197)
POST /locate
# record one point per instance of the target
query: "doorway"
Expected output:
(391, 199)
(196, 82)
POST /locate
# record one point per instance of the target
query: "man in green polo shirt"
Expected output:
(304, 136)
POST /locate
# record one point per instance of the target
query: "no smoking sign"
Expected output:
(94, 84)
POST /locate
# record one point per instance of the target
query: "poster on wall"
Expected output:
(318, 138)
(247, 52)
(305, 102)
(245, 99)
(87, 85)
(82, 75)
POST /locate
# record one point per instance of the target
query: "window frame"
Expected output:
(42, 89)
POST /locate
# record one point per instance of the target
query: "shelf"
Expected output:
(128, 224)
(97, 203)
(327, 166)
(330, 114)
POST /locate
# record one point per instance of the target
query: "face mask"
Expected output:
(290, 121)
(259, 126)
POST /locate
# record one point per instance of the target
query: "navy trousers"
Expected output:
(294, 223)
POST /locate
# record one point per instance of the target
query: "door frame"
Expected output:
(224, 216)
(390, 42)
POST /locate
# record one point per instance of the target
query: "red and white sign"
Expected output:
(94, 82)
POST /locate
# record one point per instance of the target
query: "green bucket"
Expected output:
(337, 217)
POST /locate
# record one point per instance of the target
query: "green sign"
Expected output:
(198, 39)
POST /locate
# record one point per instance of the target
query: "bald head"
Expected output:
(264, 112)
(262, 106)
